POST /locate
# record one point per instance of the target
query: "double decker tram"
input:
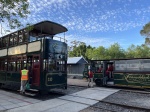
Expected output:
(40, 51)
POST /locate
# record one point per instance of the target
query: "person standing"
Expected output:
(24, 79)
(91, 74)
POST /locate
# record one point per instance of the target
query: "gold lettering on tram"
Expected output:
(138, 78)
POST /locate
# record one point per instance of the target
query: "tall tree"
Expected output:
(130, 53)
(77, 48)
(146, 33)
(12, 10)
(115, 52)
(99, 53)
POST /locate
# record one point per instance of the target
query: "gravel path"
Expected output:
(122, 101)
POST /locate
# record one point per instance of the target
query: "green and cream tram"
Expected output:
(44, 54)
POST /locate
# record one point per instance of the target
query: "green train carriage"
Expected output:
(44, 55)
(126, 72)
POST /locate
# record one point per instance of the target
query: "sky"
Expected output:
(95, 22)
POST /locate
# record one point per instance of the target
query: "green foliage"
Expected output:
(138, 51)
(113, 52)
(146, 33)
(12, 10)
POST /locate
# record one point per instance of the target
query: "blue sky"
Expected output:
(95, 22)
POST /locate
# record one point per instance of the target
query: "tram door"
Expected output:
(36, 70)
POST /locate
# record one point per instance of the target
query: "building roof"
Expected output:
(75, 60)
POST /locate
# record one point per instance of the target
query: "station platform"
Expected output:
(11, 102)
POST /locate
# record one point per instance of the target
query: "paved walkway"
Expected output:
(78, 82)
(10, 100)
(68, 103)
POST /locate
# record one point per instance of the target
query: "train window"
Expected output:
(18, 65)
(11, 40)
(12, 63)
(24, 62)
(12, 66)
(15, 38)
(3, 64)
(4, 42)
(25, 36)
(36, 59)
(52, 65)
(20, 37)
(60, 65)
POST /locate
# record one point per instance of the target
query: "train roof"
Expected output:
(120, 59)
(47, 27)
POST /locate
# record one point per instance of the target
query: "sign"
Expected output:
(138, 78)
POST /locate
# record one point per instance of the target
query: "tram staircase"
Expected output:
(31, 92)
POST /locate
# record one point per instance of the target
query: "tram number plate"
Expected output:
(50, 79)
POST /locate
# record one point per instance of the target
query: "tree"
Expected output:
(99, 53)
(12, 10)
(115, 52)
(89, 53)
(130, 53)
(142, 51)
(146, 33)
(77, 48)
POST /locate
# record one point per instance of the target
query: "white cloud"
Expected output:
(93, 41)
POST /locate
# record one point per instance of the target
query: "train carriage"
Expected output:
(44, 55)
(125, 72)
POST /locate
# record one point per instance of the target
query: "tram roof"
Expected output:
(49, 27)
(121, 59)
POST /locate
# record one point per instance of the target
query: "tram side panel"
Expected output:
(134, 73)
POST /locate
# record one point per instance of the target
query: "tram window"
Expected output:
(3, 64)
(11, 40)
(18, 65)
(12, 66)
(32, 38)
(24, 64)
(36, 59)
(20, 38)
(4, 42)
(60, 65)
(15, 39)
(7, 41)
(25, 36)
(49, 36)
(5, 67)
(51, 65)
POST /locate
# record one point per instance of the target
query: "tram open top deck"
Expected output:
(46, 27)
